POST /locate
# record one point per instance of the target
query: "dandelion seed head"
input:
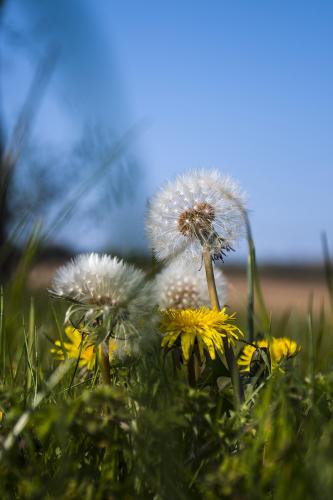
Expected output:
(106, 292)
(198, 208)
(98, 280)
(183, 286)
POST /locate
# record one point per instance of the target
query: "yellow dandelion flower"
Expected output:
(279, 348)
(283, 347)
(80, 346)
(203, 326)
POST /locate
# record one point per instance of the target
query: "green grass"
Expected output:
(65, 435)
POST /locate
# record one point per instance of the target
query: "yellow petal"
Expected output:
(210, 346)
(170, 339)
(187, 341)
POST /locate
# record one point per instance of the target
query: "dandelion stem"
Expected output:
(229, 353)
(104, 361)
(191, 371)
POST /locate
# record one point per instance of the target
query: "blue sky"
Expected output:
(242, 86)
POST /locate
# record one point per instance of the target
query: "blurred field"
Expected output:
(285, 287)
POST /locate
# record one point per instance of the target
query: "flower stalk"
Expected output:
(229, 353)
(105, 362)
(191, 371)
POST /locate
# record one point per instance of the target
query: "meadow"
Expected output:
(162, 422)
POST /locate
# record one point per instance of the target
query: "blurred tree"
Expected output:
(74, 158)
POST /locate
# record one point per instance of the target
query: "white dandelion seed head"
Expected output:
(183, 286)
(198, 208)
(109, 296)
(98, 280)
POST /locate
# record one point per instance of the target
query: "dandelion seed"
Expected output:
(200, 208)
(105, 290)
(280, 348)
(181, 286)
(202, 327)
(97, 280)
